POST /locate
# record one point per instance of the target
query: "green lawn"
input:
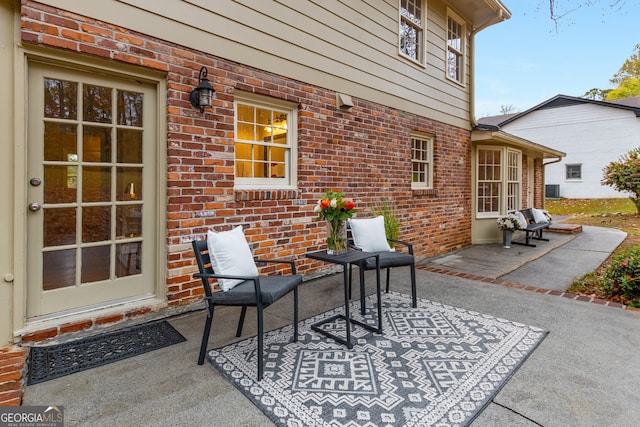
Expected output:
(590, 206)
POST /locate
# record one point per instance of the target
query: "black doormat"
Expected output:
(49, 362)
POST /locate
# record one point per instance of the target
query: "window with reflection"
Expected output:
(489, 180)
(93, 198)
(264, 143)
(455, 47)
(498, 180)
(411, 37)
(574, 172)
(422, 161)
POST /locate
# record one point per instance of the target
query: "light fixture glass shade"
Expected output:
(206, 96)
(202, 96)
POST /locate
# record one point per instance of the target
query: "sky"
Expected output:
(527, 59)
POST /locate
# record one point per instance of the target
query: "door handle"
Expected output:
(34, 206)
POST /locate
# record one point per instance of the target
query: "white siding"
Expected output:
(350, 46)
(591, 135)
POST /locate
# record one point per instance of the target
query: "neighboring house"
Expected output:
(109, 171)
(592, 133)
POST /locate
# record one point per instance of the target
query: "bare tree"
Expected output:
(559, 9)
(506, 109)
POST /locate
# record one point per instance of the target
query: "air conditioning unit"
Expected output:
(552, 191)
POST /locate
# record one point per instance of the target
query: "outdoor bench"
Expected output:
(533, 230)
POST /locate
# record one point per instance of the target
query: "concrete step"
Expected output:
(566, 228)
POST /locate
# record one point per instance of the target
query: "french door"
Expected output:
(91, 190)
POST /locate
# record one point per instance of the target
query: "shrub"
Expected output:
(622, 277)
(392, 223)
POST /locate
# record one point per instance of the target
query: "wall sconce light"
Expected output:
(202, 95)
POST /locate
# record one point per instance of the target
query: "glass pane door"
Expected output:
(87, 232)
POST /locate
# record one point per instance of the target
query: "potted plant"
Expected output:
(335, 210)
(392, 223)
(508, 224)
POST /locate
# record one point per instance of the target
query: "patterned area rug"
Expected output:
(434, 365)
(55, 361)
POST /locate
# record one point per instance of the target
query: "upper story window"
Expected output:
(412, 30)
(574, 172)
(422, 161)
(455, 47)
(265, 142)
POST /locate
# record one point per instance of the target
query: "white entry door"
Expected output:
(91, 190)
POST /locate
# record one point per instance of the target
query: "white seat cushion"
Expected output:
(230, 254)
(369, 235)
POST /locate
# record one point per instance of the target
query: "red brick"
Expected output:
(13, 385)
(99, 31)
(109, 319)
(8, 364)
(93, 50)
(11, 398)
(138, 312)
(75, 327)
(77, 36)
(57, 42)
(40, 335)
(11, 376)
(130, 39)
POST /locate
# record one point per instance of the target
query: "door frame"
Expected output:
(26, 53)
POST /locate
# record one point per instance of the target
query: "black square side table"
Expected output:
(345, 259)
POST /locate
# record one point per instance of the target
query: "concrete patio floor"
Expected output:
(585, 373)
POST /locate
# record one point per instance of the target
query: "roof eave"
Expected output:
(481, 14)
(498, 136)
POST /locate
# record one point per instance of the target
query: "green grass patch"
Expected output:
(590, 206)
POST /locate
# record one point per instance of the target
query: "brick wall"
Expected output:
(365, 152)
(538, 188)
(12, 367)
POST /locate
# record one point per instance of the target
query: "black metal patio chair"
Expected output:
(254, 291)
(402, 256)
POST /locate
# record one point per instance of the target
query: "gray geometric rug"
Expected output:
(434, 365)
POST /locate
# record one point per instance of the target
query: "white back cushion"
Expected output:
(538, 216)
(230, 254)
(369, 235)
(521, 219)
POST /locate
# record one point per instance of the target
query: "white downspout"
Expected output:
(472, 65)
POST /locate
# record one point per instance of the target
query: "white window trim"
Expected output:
(430, 140)
(517, 181)
(504, 180)
(422, 54)
(291, 179)
(454, 16)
